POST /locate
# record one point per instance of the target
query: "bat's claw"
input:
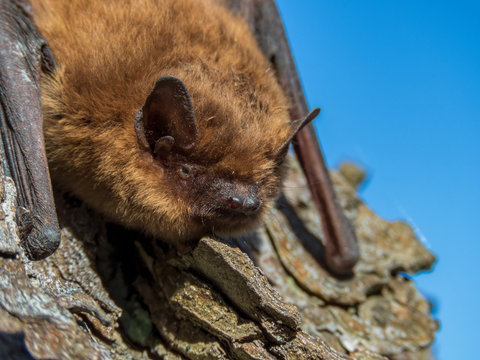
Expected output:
(42, 242)
(342, 260)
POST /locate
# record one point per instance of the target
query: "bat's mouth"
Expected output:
(229, 207)
(225, 222)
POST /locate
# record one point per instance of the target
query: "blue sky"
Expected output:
(399, 87)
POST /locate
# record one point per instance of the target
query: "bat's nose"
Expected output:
(244, 204)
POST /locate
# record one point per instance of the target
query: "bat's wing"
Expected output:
(341, 250)
(23, 55)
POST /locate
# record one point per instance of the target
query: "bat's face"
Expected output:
(225, 173)
(192, 166)
(217, 200)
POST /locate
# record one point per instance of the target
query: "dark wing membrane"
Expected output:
(23, 54)
(341, 250)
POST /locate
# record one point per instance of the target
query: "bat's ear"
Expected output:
(296, 126)
(167, 119)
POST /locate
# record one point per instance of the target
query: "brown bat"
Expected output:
(166, 117)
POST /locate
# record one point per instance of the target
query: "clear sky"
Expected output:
(399, 87)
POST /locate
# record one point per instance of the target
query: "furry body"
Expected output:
(109, 56)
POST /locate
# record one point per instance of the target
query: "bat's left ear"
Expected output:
(296, 126)
(167, 120)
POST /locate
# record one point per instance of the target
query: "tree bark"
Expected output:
(109, 293)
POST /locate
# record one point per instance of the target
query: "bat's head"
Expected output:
(223, 171)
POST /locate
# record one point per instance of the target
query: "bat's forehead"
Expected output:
(246, 120)
(240, 135)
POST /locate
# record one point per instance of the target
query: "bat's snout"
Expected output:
(235, 199)
(244, 204)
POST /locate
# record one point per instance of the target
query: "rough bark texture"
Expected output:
(108, 293)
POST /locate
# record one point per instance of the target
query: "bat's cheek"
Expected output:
(184, 232)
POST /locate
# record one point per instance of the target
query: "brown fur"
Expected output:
(109, 55)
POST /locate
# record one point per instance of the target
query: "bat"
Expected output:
(166, 117)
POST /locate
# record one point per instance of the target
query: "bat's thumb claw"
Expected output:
(341, 260)
(42, 242)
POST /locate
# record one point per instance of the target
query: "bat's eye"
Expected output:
(185, 171)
